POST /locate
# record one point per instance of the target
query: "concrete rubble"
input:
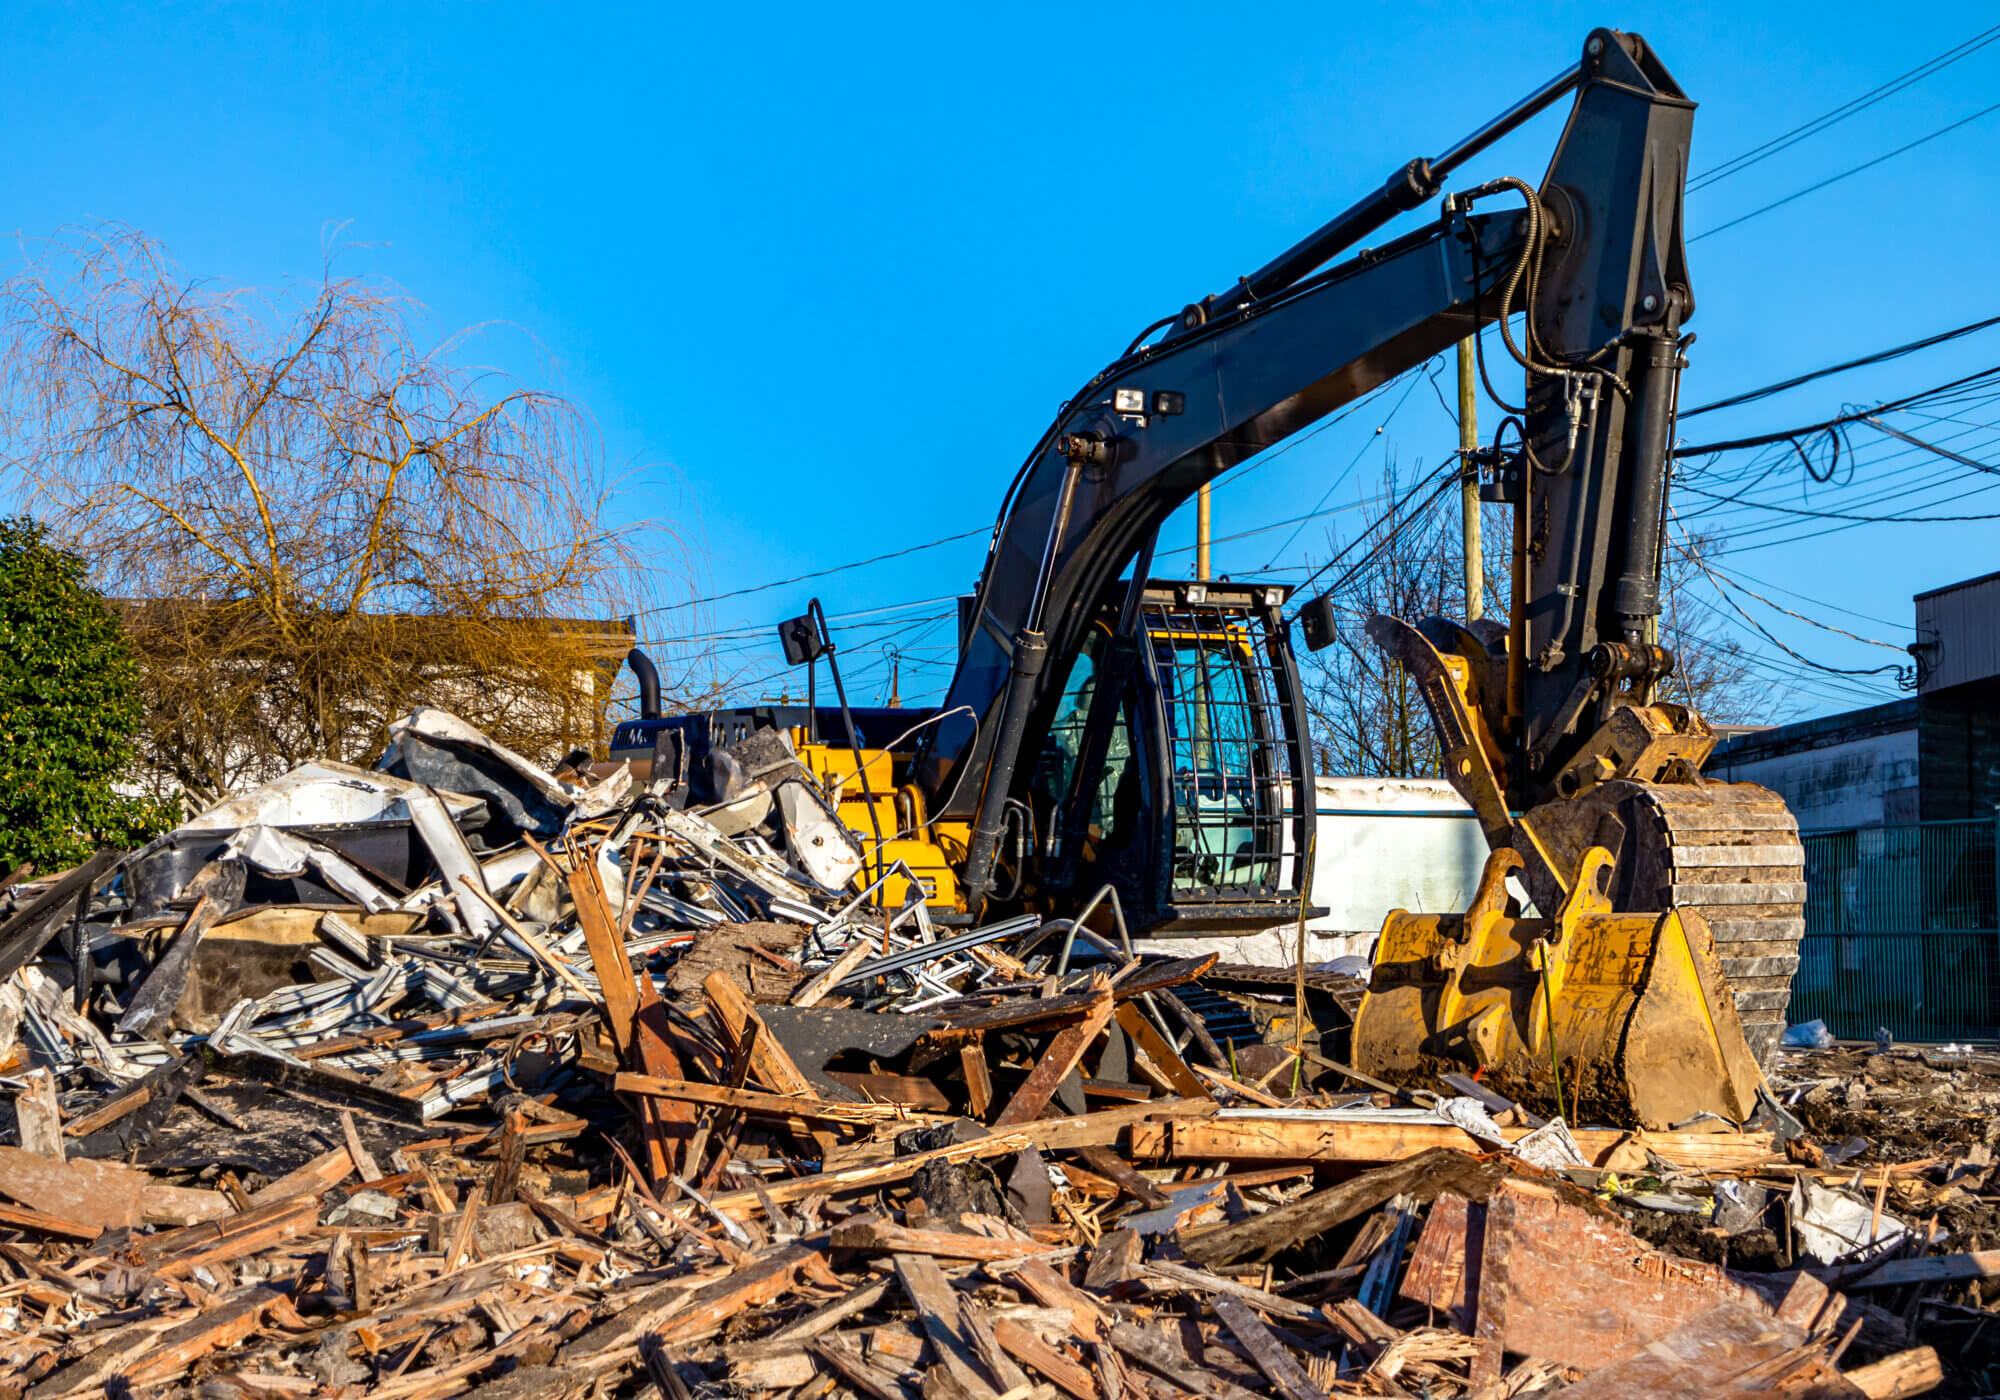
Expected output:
(459, 1076)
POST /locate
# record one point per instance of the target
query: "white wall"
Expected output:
(1381, 844)
(1856, 783)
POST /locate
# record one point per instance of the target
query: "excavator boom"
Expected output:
(1241, 371)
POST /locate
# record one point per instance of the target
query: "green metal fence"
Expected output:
(1902, 932)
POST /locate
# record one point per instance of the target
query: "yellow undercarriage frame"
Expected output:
(1627, 1015)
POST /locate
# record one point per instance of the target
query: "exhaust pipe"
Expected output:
(648, 677)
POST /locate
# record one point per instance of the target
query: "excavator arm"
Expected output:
(1595, 260)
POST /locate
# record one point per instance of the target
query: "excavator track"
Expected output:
(1731, 853)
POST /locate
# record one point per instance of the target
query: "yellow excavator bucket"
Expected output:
(1619, 1019)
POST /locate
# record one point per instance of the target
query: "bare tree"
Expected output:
(1711, 668)
(315, 519)
(1367, 715)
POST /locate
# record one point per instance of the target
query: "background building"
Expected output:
(1898, 805)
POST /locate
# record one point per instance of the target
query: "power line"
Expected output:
(818, 573)
(1779, 607)
(1694, 556)
(1348, 470)
(1792, 434)
(1851, 170)
(756, 628)
(1447, 477)
(1751, 396)
(1756, 154)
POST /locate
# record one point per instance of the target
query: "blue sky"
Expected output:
(822, 275)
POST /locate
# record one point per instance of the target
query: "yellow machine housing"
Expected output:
(931, 850)
(1630, 1009)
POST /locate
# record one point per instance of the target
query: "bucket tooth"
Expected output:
(1626, 1018)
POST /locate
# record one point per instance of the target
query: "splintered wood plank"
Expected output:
(1105, 1126)
(607, 954)
(105, 1114)
(845, 1361)
(181, 1205)
(316, 1177)
(351, 1135)
(906, 1090)
(675, 1315)
(1105, 1162)
(668, 1125)
(232, 1237)
(1893, 1377)
(1561, 1283)
(1424, 1176)
(179, 1347)
(969, 1023)
(1444, 1267)
(1049, 1288)
(1266, 1350)
(17, 1219)
(90, 1193)
(735, 1014)
(1147, 1037)
(761, 1104)
(1038, 1356)
(636, 1034)
(978, 1078)
(1240, 1292)
(884, 1236)
(975, 1327)
(1705, 1357)
(814, 991)
(825, 1319)
(930, 1293)
(738, 1018)
(1152, 1350)
(1283, 1135)
(1062, 1056)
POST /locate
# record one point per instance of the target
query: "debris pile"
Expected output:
(460, 1076)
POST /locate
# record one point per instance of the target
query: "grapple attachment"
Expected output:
(1633, 1008)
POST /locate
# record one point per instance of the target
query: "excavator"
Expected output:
(1629, 951)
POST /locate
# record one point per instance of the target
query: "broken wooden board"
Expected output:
(1037, 1355)
(1424, 1175)
(1443, 1272)
(1561, 1283)
(1106, 1126)
(882, 1236)
(743, 1028)
(679, 1315)
(930, 1293)
(753, 1101)
(1063, 1054)
(1021, 1013)
(100, 1194)
(1321, 1135)
(1727, 1350)
(1153, 1350)
(1278, 1365)
(179, 1347)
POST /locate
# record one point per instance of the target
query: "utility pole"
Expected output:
(1201, 532)
(1468, 482)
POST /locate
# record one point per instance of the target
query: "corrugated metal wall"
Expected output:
(1963, 621)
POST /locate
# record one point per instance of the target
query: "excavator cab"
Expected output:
(1173, 764)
